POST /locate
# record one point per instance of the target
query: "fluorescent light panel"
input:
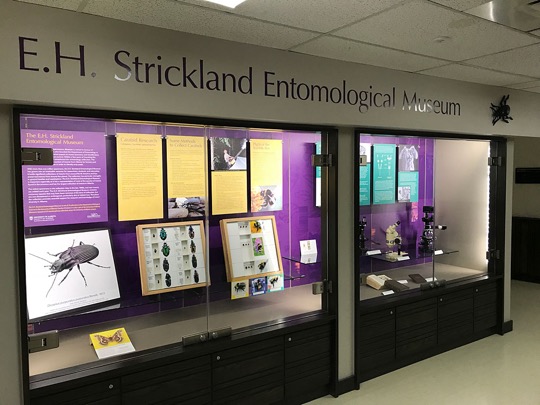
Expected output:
(227, 3)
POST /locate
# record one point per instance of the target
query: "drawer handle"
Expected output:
(440, 300)
(111, 386)
(391, 312)
(218, 357)
(290, 339)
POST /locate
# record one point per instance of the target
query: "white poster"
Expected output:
(69, 271)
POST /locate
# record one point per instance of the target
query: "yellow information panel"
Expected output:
(229, 192)
(186, 166)
(266, 174)
(140, 176)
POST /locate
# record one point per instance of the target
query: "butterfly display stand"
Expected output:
(251, 247)
(171, 256)
(111, 343)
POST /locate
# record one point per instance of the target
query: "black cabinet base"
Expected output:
(346, 385)
(507, 326)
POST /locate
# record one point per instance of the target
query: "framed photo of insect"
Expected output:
(69, 271)
(171, 256)
(251, 247)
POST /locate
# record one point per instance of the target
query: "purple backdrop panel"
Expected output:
(74, 189)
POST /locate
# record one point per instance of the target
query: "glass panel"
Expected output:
(462, 206)
(127, 230)
(423, 212)
(268, 276)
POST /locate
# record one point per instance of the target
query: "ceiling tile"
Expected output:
(416, 24)
(320, 15)
(475, 75)
(524, 61)
(533, 89)
(187, 18)
(65, 4)
(526, 85)
(352, 51)
(460, 4)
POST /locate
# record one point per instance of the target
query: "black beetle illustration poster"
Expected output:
(69, 271)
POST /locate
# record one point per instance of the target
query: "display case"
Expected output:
(132, 231)
(429, 235)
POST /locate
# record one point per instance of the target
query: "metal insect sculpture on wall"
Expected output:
(501, 111)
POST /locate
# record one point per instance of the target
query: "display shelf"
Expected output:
(297, 260)
(418, 255)
(442, 271)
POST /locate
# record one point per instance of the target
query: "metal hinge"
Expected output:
(321, 287)
(493, 254)
(322, 160)
(38, 342)
(37, 156)
(495, 161)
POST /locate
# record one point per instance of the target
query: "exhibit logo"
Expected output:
(185, 73)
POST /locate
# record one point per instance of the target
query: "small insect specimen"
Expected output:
(115, 337)
(273, 281)
(196, 276)
(262, 265)
(165, 249)
(240, 287)
(193, 247)
(501, 111)
(194, 261)
(191, 232)
(168, 280)
(163, 234)
(257, 226)
(258, 285)
(165, 265)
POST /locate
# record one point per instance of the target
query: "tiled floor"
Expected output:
(498, 370)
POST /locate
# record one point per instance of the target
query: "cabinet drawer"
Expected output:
(415, 346)
(376, 359)
(451, 305)
(411, 315)
(376, 325)
(456, 331)
(103, 393)
(175, 387)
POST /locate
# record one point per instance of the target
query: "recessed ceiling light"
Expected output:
(227, 3)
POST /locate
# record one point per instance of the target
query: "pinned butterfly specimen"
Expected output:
(163, 234)
(193, 247)
(115, 337)
(191, 232)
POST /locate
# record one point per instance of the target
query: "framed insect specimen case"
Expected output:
(171, 256)
(251, 247)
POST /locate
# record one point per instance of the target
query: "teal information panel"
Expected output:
(407, 187)
(365, 184)
(384, 174)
